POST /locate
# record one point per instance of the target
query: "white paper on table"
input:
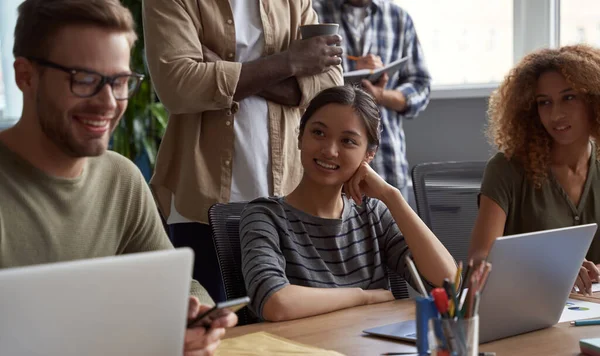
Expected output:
(595, 287)
(579, 309)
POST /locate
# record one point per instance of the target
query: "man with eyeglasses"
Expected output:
(63, 196)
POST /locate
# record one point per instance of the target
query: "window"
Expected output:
(465, 42)
(580, 22)
(2, 95)
(11, 100)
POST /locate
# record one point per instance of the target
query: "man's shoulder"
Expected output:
(394, 9)
(112, 165)
(324, 8)
(115, 160)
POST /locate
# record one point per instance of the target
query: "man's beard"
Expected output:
(58, 128)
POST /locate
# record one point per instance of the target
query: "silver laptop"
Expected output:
(531, 279)
(134, 305)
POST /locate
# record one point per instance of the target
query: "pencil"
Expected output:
(465, 282)
(453, 302)
(484, 277)
(476, 303)
(458, 275)
(353, 58)
(470, 303)
(415, 275)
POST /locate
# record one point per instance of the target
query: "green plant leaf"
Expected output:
(145, 120)
(151, 150)
(160, 114)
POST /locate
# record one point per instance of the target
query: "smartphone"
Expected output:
(219, 310)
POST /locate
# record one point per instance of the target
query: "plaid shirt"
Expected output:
(390, 34)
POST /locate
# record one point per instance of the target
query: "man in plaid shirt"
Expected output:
(375, 32)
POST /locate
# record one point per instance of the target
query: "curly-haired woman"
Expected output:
(545, 121)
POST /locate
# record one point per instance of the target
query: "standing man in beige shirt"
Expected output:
(234, 77)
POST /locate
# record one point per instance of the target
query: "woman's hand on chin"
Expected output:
(366, 181)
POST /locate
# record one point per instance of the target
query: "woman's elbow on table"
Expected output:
(275, 309)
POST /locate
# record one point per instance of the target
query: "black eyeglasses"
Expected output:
(86, 83)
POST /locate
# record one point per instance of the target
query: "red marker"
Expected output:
(440, 299)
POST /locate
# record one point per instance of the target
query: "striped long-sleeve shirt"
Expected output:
(282, 245)
(389, 33)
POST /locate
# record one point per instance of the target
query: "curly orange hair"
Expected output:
(514, 124)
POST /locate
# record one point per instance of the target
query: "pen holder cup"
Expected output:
(426, 311)
(459, 337)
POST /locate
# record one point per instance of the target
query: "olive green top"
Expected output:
(108, 210)
(531, 209)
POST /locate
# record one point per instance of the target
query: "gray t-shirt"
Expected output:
(282, 245)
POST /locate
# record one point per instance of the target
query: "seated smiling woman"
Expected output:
(545, 121)
(325, 246)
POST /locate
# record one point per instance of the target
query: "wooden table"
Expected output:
(342, 331)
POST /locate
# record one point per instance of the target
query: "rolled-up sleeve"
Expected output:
(263, 263)
(395, 248)
(183, 82)
(310, 86)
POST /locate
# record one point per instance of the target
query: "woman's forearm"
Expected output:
(431, 257)
(294, 302)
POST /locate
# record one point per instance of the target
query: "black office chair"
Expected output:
(398, 285)
(446, 196)
(224, 220)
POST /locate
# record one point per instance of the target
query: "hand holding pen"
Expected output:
(369, 61)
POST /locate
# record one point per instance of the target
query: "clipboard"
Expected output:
(373, 75)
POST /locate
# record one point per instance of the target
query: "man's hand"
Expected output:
(314, 55)
(369, 61)
(200, 341)
(210, 56)
(285, 93)
(377, 90)
(391, 99)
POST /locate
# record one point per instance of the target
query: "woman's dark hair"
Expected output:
(362, 103)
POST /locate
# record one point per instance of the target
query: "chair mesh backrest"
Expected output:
(446, 196)
(224, 220)
(398, 285)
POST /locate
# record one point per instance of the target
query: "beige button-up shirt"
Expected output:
(194, 160)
